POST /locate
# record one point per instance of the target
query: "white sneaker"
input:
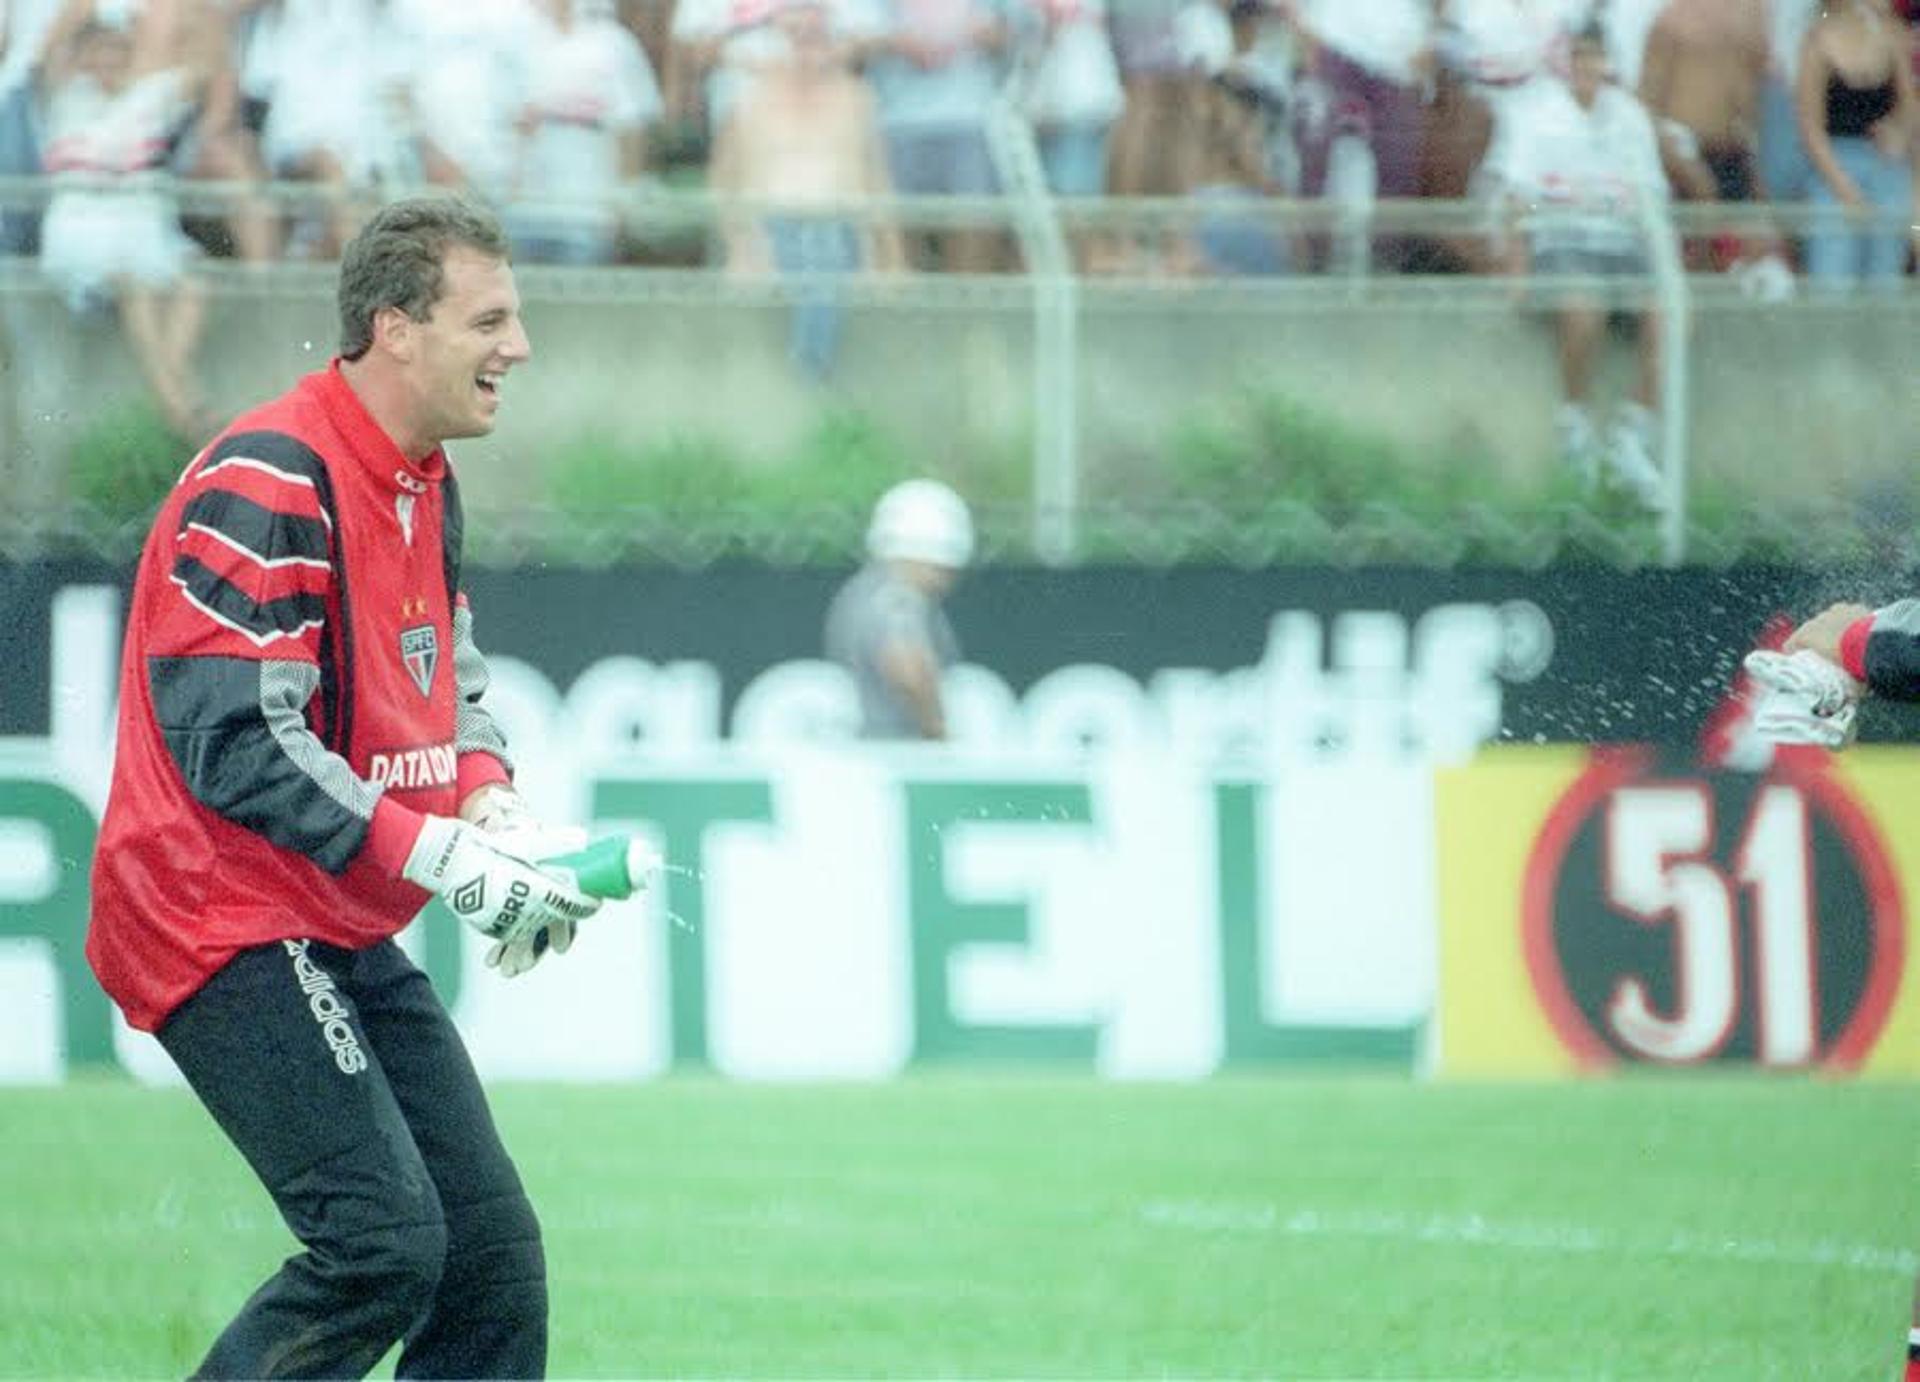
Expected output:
(1630, 448)
(1579, 444)
(1767, 279)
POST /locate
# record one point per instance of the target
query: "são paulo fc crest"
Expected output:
(420, 651)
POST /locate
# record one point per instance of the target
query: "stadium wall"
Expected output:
(1194, 820)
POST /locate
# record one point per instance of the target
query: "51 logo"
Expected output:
(1678, 915)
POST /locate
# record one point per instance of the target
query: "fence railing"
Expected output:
(650, 205)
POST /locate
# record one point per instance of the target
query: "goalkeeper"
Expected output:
(303, 759)
(1809, 693)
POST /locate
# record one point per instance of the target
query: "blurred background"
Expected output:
(1379, 427)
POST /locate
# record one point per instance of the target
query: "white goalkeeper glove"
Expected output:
(1804, 699)
(499, 894)
(502, 813)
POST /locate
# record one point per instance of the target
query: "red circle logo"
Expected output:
(1677, 916)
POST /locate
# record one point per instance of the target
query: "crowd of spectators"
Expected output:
(556, 110)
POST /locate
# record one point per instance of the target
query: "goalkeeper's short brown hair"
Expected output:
(397, 260)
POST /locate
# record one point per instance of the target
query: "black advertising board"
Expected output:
(1598, 655)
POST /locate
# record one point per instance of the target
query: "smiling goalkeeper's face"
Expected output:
(461, 354)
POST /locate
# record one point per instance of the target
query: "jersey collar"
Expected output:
(372, 447)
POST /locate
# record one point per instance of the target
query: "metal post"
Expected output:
(1056, 340)
(1675, 298)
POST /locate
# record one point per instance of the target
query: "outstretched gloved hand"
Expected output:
(1802, 698)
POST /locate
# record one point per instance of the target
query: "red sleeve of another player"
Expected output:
(1853, 648)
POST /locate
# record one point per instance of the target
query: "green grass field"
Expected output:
(1032, 1227)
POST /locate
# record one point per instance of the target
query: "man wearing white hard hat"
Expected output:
(887, 627)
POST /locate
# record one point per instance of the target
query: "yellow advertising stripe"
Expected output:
(1886, 784)
(1488, 817)
(1491, 818)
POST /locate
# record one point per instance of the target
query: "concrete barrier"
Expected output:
(1786, 396)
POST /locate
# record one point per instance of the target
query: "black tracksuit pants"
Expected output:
(342, 1080)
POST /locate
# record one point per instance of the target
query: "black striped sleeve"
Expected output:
(252, 554)
(453, 534)
(236, 731)
(267, 535)
(262, 618)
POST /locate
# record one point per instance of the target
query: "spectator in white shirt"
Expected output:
(340, 123)
(1491, 52)
(1577, 167)
(467, 87)
(591, 95)
(1071, 92)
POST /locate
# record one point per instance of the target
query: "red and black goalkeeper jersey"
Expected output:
(298, 685)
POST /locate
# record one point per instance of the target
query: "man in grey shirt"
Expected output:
(887, 627)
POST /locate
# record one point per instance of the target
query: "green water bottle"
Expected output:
(614, 867)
